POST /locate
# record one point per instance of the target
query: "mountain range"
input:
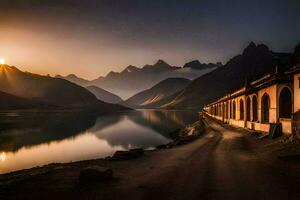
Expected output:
(158, 85)
(254, 62)
(133, 79)
(19, 86)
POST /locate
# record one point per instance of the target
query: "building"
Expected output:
(272, 99)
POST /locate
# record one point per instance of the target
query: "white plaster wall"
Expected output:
(296, 92)
(286, 126)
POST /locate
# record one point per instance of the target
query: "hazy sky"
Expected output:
(92, 37)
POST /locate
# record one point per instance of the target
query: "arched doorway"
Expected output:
(248, 109)
(265, 108)
(254, 108)
(233, 109)
(241, 109)
(285, 103)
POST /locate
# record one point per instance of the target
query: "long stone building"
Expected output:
(272, 99)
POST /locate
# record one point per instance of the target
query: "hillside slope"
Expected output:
(255, 61)
(8, 101)
(48, 90)
(162, 90)
(104, 95)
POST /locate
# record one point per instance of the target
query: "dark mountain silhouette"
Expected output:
(48, 90)
(196, 64)
(73, 78)
(104, 95)
(8, 101)
(255, 61)
(162, 90)
(133, 79)
(295, 58)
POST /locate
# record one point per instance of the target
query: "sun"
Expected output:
(2, 61)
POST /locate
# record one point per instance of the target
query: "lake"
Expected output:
(35, 139)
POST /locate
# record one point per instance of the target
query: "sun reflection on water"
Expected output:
(2, 156)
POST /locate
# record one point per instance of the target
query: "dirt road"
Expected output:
(222, 164)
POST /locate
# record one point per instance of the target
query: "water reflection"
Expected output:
(32, 139)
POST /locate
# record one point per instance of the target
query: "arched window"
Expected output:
(248, 109)
(254, 108)
(265, 108)
(233, 109)
(241, 109)
(285, 103)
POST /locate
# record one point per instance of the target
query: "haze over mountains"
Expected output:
(133, 79)
(18, 86)
(154, 97)
(104, 95)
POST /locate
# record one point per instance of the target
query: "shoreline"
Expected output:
(179, 137)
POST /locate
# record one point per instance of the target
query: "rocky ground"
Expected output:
(223, 163)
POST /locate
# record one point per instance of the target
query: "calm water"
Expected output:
(36, 139)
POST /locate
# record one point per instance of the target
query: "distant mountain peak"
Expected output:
(192, 64)
(111, 74)
(131, 68)
(253, 48)
(250, 48)
(196, 64)
(72, 76)
(162, 63)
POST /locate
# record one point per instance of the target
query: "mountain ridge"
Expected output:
(157, 93)
(132, 79)
(104, 95)
(50, 91)
(255, 61)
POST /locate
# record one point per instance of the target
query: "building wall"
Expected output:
(286, 126)
(296, 92)
(273, 91)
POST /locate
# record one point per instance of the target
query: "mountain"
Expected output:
(104, 95)
(133, 79)
(196, 64)
(295, 58)
(8, 101)
(47, 90)
(150, 98)
(73, 78)
(255, 61)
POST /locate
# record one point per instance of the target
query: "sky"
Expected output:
(92, 37)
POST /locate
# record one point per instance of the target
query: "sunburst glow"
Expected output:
(2, 61)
